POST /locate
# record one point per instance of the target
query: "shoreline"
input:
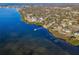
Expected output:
(56, 34)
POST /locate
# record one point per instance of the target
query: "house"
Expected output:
(76, 33)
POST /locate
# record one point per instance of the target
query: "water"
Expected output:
(18, 37)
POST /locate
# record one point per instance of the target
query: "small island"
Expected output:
(62, 22)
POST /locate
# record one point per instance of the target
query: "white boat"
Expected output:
(37, 29)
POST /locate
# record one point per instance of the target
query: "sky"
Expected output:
(52, 1)
(39, 1)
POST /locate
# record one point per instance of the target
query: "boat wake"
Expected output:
(35, 29)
